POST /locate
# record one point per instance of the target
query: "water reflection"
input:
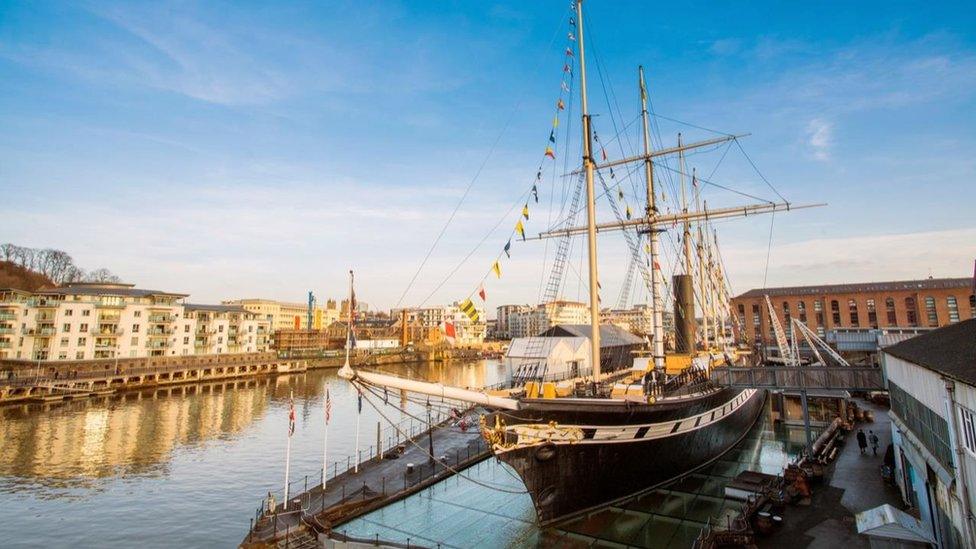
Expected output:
(196, 458)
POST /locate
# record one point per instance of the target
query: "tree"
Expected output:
(102, 275)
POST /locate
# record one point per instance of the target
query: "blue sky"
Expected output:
(244, 149)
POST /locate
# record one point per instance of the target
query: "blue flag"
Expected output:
(508, 246)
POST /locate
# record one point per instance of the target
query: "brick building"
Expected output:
(931, 302)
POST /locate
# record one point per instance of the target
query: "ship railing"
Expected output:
(563, 376)
(390, 437)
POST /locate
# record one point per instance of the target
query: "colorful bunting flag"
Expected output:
(620, 194)
(560, 105)
(508, 247)
(555, 121)
(611, 174)
(571, 36)
(525, 211)
(572, 21)
(520, 229)
(538, 174)
(550, 153)
(469, 309)
(567, 68)
(569, 52)
(535, 193)
(628, 212)
(482, 293)
(603, 152)
(552, 136)
(564, 86)
(496, 268)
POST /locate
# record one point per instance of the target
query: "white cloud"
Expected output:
(820, 138)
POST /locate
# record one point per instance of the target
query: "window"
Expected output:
(137, 314)
(972, 306)
(135, 328)
(83, 328)
(63, 355)
(186, 328)
(186, 341)
(68, 312)
(801, 310)
(81, 341)
(64, 342)
(821, 332)
(953, 307)
(755, 316)
(872, 314)
(220, 339)
(931, 315)
(220, 328)
(786, 313)
(86, 312)
(835, 312)
(80, 355)
(911, 312)
(968, 425)
(890, 311)
(66, 328)
(134, 342)
(852, 307)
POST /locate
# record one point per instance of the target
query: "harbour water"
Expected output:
(184, 466)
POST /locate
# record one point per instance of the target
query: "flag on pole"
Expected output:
(469, 309)
(482, 293)
(525, 211)
(328, 406)
(291, 419)
(508, 248)
(359, 401)
(550, 153)
(450, 332)
(497, 269)
(520, 229)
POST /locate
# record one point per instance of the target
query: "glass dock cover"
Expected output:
(462, 513)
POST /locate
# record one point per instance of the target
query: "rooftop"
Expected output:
(104, 288)
(215, 308)
(610, 335)
(893, 286)
(950, 350)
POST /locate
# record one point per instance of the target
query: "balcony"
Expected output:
(104, 344)
(204, 333)
(162, 319)
(7, 316)
(8, 331)
(156, 332)
(107, 332)
(43, 332)
(157, 344)
(109, 319)
(109, 304)
(43, 304)
(6, 345)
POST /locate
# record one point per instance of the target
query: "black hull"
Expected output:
(568, 479)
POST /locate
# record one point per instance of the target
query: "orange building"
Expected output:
(931, 302)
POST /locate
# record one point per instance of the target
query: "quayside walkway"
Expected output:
(383, 477)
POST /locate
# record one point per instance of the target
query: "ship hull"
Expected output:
(569, 478)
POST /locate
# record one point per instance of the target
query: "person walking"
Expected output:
(873, 439)
(862, 441)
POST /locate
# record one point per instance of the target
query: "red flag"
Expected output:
(560, 105)
(604, 153)
(328, 406)
(449, 330)
(482, 293)
(291, 419)
(550, 153)
(569, 52)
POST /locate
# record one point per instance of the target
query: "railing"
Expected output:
(5, 345)
(848, 378)
(9, 331)
(32, 377)
(107, 332)
(159, 331)
(157, 344)
(161, 318)
(8, 316)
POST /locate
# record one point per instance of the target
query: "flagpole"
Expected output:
(288, 451)
(359, 416)
(325, 444)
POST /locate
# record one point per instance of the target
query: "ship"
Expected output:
(585, 438)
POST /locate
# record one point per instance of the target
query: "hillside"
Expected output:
(15, 276)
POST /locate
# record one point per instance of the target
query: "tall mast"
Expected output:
(702, 271)
(686, 234)
(651, 214)
(590, 202)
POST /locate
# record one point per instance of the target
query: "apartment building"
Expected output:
(503, 319)
(422, 320)
(929, 303)
(83, 321)
(638, 320)
(535, 320)
(216, 329)
(285, 315)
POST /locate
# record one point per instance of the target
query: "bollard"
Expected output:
(250, 533)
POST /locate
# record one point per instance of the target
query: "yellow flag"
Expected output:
(497, 269)
(520, 229)
(525, 212)
(555, 121)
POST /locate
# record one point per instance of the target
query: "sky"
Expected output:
(243, 149)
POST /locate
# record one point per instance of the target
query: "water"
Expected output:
(184, 466)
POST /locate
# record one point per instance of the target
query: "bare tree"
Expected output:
(8, 251)
(101, 275)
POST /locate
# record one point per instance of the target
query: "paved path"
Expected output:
(854, 485)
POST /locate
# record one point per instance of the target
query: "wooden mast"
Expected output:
(652, 235)
(590, 202)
